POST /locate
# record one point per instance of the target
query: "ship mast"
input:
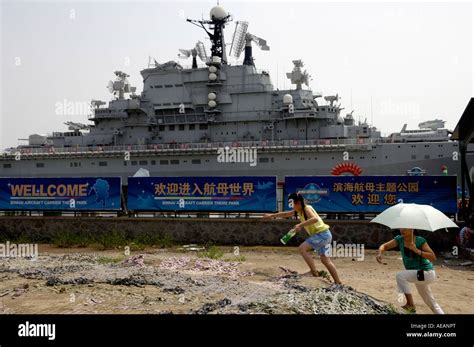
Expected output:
(219, 18)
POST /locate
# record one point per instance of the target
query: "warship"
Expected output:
(185, 117)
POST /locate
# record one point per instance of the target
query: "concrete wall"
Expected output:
(217, 231)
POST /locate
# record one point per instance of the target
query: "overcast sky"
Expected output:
(393, 63)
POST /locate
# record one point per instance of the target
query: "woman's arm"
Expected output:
(385, 247)
(425, 251)
(284, 214)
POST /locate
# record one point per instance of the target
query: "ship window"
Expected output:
(202, 126)
(386, 157)
(134, 162)
(124, 163)
(413, 156)
(39, 164)
(196, 161)
(158, 86)
(263, 160)
(171, 128)
(7, 166)
(102, 163)
(207, 160)
(168, 86)
(143, 162)
(153, 162)
(426, 146)
(174, 161)
(191, 126)
(181, 127)
(161, 128)
(178, 85)
(427, 156)
(163, 162)
(151, 87)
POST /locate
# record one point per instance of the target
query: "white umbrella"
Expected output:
(414, 216)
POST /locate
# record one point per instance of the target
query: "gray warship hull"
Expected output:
(370, 158)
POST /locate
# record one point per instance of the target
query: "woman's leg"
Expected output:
(305, 249)
(403, 278)
(331, 267)
(424, 289)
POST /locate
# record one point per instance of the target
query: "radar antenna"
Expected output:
(243, 40)
(297, 76)
(332, 99)
(198, 51)
(121, 85)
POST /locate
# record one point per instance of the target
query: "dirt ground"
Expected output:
(259, 280)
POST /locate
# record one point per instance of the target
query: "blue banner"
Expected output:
(210, 193)
(360, 194)
(66, 193)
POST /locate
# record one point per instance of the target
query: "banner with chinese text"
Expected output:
(210, 193)
(373, 193)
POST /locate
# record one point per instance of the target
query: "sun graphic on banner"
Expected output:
(351, 168)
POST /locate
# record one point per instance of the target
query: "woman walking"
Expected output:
(320, 236)
(417, 259)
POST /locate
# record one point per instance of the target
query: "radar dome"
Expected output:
(218, 12)
(287, 99)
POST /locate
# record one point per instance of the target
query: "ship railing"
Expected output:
(317, 143)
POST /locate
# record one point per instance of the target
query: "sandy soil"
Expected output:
(84, 280)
